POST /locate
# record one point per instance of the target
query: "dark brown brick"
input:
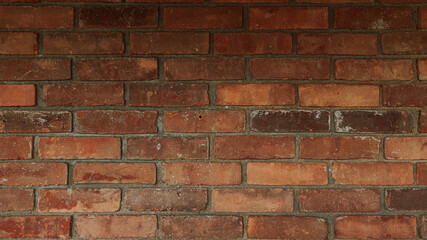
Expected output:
(405, 95)
(404, 43)
(34, 122)
(44, 17)
(407, 199)
(372, 121)
(422, 125)
(421, 174)
(16, 199)
(35, 69)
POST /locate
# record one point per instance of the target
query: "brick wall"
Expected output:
(216, 119)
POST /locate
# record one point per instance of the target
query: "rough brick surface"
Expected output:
(35, 227)
(372, 121)
(34, 122)
(406, 148)
(17, 95)
(405, 95)
(16, 147)
(33, 174)
(35, 69)
(18, 43)
(15, 199)
(48, 17)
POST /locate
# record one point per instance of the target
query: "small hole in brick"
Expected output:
(200, 117)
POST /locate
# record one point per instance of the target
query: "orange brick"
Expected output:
(408, 148)
(17, 95)
(16, 148)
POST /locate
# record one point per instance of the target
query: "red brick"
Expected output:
(404, 43)
(16, 1)
(202, 227)
(372, 173)
(35, 227)
(167, 1)
(422, 69)
(169, 43)
(406, 199)
(84, 1)
(168, 95)
(113, 69)
(79, 148)
(269, 18)
(375, 227)
(18, 43)
(290, 68)
(337, 44)
(374, 69)
(252, 200)
(373, 18)
(17, 95)
(372, 121)
(206, 173)
(270, 173)
(405, 95)
(421, 175)
(166, 199)
(422, 20)
(252, 1)
(339, 200)
(116, 122)
(108, 226)
(33, 174)
(117, 17)
(204, 121)
(114, 173)
(252, 43)
(202, 17)
(422, 125)
(255, 94)
(254, 147)
(83, 94)
(424, 227)
(34, 122)
(407, 148)
(15, 199)
(16, 148)
(402, 1)
(211, 68)
(338, 95)
(52, 17)
(336, 1)
(272, 227)
(167, 148)
(83, 43)
(35, 69)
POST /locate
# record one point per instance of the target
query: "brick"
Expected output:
(46, 17)
(168, 95)
(16, 148)
(79, 200)
(35, 227)
(337, 44)
(33, 174)
(16, 1)
(375, 227)
(206, 173)
(422, 69)
(108, 226)
(169, 43)
(15, 199)
(290, 68)
(372, 173)
(202, 17)
(211, 68)
(114, 173)
(373, 18)
(88, 43)
(204, 121)
(338, 95)
(374, 69)
(254, 147)
(404, 43)
(422, 125)
(116, 122)
(402, 1)
(83, 94)
(422, 18)
(79, 148)
(34, 122)
(84, 1)
(252, 200)
(336, 1)
(407, 148)
(290, 121)
(166, 199)
(17, 95)
(118, 17)
(113, 69)
(270, 173)
(167, 148)
(339, 200)
(252, 1)
(18, 43)
(167, 1)
(405, 95)
(372, 121)
(424, 227)
(252, 43)
(255, 94)
(406, 199)
(202, 227)
(271, 227)
(421, 174)
(269, 18)
(35, 69)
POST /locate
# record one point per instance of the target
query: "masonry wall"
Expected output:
(216, 119)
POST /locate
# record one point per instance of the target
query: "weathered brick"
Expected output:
(422, 69)
(424, 227)
(79, 200)
(402, 1)
(18, 43)
(167, 148)
(252, 1)
(404, 43)
(35, 227)
(422, 18)
(372, 121)
(16, 148)
(422, 125)
(79, 148)
(406, 199)
(167, 1)
(33, 174)
(254, 147)
(52, 17)
(84, 1)
(405, 95)
(35, 69)
(16, 199)
(166, 199)
(407, 148)
(336, 1)
(114, 173)
(34, 122)
(17, 95)
(421, 175)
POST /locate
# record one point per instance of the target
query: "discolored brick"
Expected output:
(422, 18)
(16, 147)
(34, 122)
(406, 199)
(35, 69)
(16, 199)
(405, 95)
(421, 174)
(35, 227)
(372, 121)
(18, 43)
(17, 95)
(404, 43)
(33, 174)
(422, 69)
(407, 148)
(422, 124)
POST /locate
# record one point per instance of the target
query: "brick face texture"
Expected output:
(213, 119)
